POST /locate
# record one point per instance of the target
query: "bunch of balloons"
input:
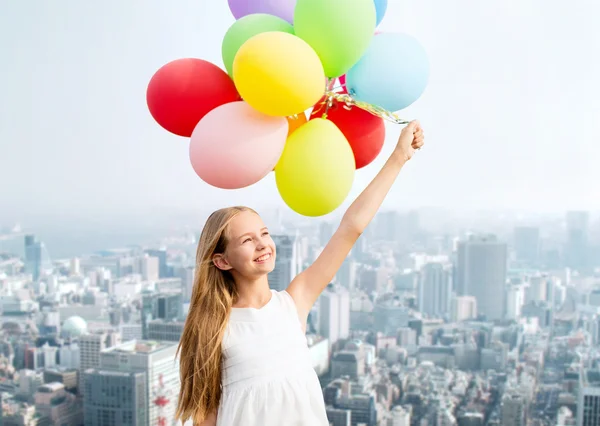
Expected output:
(307, 86)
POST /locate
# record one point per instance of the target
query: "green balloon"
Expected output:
(338, 30)
(246, 28)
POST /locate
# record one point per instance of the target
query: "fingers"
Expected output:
(412, 126)
(419, 139)
(418, 143)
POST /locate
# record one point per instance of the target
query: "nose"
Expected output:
(260, 245)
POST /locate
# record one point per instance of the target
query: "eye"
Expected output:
(246, 240)
(266, 233)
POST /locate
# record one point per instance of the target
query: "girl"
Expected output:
(243, 354)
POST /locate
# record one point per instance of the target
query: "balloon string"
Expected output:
(349, 102)
(328, 100)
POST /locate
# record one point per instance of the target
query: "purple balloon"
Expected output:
(284, 9)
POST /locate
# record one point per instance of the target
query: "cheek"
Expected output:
(242, 256)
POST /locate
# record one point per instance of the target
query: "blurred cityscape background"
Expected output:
(481, 313)
(434, 319)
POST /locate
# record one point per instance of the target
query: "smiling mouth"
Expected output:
(263, 258)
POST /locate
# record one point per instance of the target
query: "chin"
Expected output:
(269, 268)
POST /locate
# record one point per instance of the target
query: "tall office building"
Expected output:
(400, 416)
(287, 262)
(347, 275)
(161, 254)
(435, 289)
(588, 398)
(577, 248)
(481, 271)
(90, 347)
(33, 256)
(513, 409)
(187, 281)
(334, 314)
(515, 299)
(527, 244)
(537, 290)
(387, 225)
(163, 305)
(147, 266)
(463, 308)
(115, 398)
(160, 366)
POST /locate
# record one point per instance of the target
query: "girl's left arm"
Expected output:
(309, 284)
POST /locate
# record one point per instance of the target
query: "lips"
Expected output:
(263, 258)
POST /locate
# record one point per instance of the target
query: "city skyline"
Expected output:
(433, 325)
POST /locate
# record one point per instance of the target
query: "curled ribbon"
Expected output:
(348, 102)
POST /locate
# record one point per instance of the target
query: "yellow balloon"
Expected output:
(316, 170)
(278, 74)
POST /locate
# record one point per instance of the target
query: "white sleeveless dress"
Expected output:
(268, 378)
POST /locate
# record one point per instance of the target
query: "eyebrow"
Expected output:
(250, 233)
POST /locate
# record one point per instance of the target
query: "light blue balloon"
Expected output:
(380, 8)
(392, 74)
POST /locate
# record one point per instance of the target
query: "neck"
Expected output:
(252, 293)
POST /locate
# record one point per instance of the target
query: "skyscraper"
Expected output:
(513, 409)
(33, 256)
(161, 254)
(347, 274)
(164, 305)
(159, 389)
(577, 244)
(334, 314)
(115, 397)
(588, 404)
(286, 262)
(435, 289)
(481, 270)
(90, 347)
(527, 244)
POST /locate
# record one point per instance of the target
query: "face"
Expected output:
(250, 250)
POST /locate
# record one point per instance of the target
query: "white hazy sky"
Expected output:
(511, 111)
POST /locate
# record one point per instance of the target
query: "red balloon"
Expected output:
(365, 132)
(183, 91)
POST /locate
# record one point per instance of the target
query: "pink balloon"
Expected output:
(235, 146)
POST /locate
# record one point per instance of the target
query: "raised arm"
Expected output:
(308, 285)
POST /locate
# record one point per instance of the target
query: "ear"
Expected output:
(221, 263)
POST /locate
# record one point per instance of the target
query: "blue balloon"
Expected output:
(380, 8)
(392, 74)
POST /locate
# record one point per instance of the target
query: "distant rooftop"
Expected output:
(111, 373)
(140, 346)
(50, 387)
(592, 378)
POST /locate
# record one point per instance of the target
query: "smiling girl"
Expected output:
(244, 357)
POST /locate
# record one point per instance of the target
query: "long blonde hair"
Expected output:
(213, 295)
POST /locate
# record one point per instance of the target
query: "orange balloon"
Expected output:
(295, 122)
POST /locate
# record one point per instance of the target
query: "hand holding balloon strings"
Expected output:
(411, 139)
